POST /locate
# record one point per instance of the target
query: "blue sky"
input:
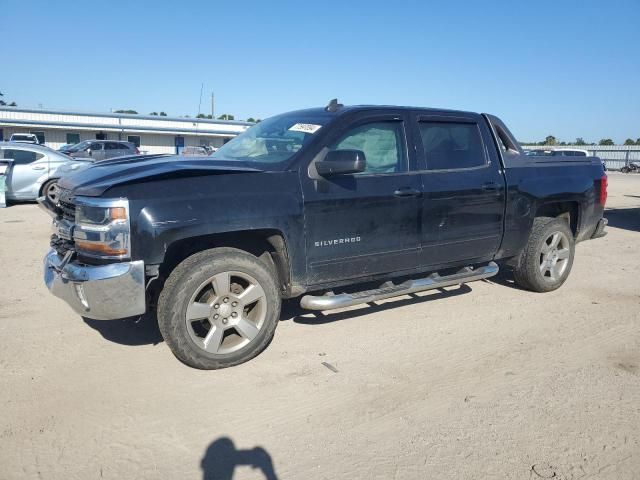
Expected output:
(567, 68)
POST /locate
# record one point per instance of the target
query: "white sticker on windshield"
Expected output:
(305, 127)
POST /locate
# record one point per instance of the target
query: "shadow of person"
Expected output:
(222, 457)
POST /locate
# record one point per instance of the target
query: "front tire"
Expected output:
(546, 260)
(219, 308)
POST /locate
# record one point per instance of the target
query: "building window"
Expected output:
(135, 139)
(101, 136)
(40, 136)
(73, 138)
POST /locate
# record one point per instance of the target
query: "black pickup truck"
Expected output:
(336, 205)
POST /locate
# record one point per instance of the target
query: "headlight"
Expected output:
(102, 228)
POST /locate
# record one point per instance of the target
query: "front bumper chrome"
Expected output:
(104, 292)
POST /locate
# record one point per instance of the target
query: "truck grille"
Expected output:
(67, 205)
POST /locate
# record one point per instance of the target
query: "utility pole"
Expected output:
(212, 109)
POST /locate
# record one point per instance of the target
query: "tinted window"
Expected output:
(449, 145)
(22, 157)
(135, 139)
(96, 146)
(381, 143)
(579, 154)
(124, 146)
(112, 146)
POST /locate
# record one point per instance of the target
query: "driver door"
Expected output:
(364, 224)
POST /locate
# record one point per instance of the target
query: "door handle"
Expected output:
(407, 192)
(38, 167)
(491, 187)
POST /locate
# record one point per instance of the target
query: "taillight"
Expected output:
(603, 190)
(137, 151)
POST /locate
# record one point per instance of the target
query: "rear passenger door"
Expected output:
(112, 149)
(24, 172)
(464, 189)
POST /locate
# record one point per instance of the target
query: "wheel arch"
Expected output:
(569, 210)
(267, 244)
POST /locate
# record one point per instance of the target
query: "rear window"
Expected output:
(21, 157)
(452, 145)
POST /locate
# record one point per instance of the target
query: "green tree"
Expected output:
(638, 141)
(580, 141)
(133, 112)
(251, 119)
(606, 141)
(629, 141)
(154, 113)
(226, 116)
(550, 140)
(162, 114)
(3, 103)
(201, 115)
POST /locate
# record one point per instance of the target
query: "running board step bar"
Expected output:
(330, 301)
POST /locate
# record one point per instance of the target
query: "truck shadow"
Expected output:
(624, 218)
(132, 331)
(137, 331)
(291, 309)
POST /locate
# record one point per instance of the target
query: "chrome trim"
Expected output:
(329, 302)
(104, 292)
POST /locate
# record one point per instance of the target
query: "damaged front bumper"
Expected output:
(103, 292)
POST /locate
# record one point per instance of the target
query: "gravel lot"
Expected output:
(480, 381)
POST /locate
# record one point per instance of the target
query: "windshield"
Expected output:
(79, 146)
(273, 140)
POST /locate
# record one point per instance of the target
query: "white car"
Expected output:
(24, 138)
(34, 170)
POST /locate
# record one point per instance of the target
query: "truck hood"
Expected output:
(94, 180)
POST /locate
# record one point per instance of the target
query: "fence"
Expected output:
(615, 156)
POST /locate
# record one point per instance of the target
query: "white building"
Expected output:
(152, 134)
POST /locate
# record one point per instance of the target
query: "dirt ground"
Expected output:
(481, 381)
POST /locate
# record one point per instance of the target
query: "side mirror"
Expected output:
(89, 151)
(340, 162)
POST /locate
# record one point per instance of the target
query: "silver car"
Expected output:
(34, 170)
(102, 149)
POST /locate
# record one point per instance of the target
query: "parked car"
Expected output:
(102, 149)
(24, 138)
(195, 151)
(315, 203)
(34, 170)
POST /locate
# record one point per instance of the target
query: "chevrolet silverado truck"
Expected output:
(337, 206)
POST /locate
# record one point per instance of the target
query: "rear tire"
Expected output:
(547, 258)
(50, 192)
(219, 308)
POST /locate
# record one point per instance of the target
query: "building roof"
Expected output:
(120, 122)
(122, 115)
